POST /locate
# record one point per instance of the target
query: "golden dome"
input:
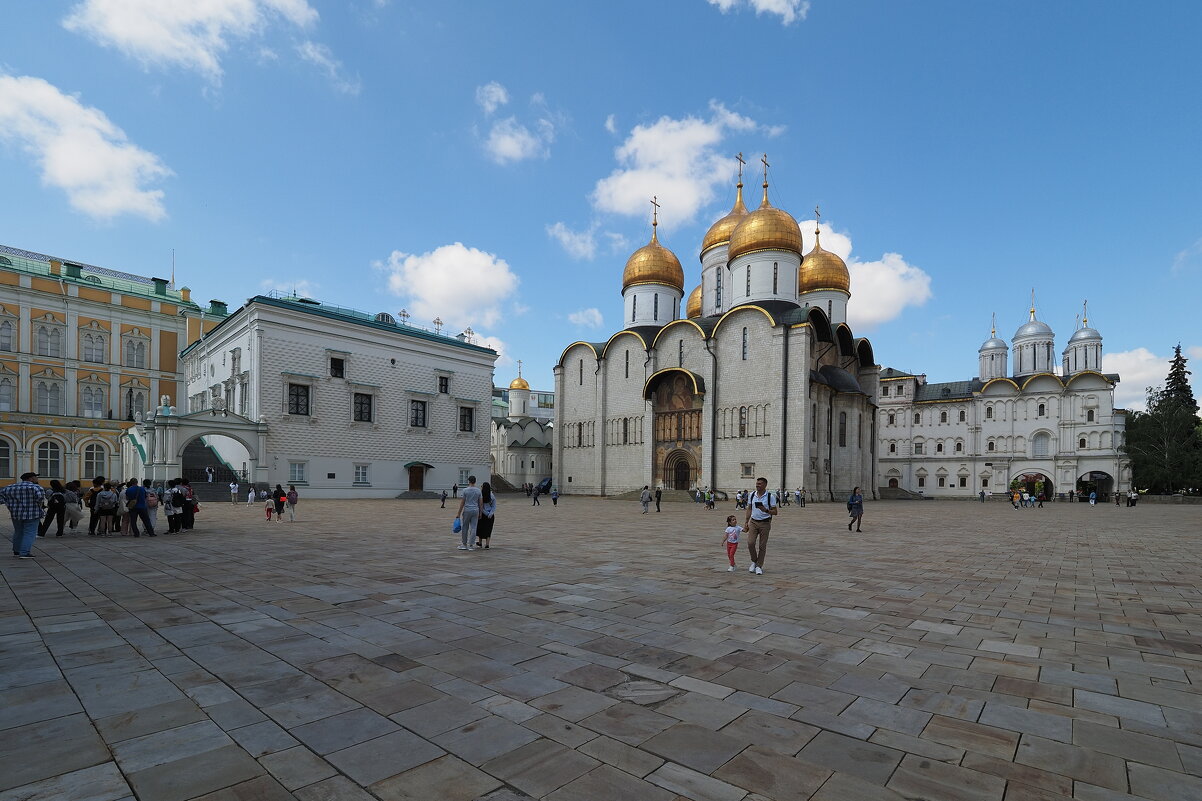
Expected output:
(765, 228)
(821, 269)
(519, 383)
(653, 264)
(693, 307)
(720, 231)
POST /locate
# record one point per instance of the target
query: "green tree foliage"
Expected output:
(1165, 442)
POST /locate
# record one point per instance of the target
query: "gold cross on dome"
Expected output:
(739, 158)
(764, 161)
(519, 368)
(654, 211)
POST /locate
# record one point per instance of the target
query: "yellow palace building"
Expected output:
(84, 351)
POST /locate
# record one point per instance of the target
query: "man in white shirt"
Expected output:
(234, 492)
(760, 511)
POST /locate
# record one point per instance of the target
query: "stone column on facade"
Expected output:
(597, 441)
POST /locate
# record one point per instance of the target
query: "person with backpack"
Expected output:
(106, 502)
(56, 508)
(175, 506)
(189, 514)
(294, 496)
(152, 502)
(74, 506)
(89, 502)
(138, 508)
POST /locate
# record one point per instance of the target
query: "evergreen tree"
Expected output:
(1165, 442)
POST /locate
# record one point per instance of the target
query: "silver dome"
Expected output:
(1083, 334)
(1035, 328)
(993, 343)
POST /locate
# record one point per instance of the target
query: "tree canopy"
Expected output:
(1165, 442)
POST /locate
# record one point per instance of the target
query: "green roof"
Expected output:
(32, 263)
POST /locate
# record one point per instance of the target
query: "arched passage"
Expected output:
(1095, 481)
(1034, 484)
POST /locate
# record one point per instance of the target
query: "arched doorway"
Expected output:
(1035, 484)
(1095, 481)
(679, 472)
(893, 483)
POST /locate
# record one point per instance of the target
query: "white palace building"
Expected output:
(1048, 429)
(762, 376)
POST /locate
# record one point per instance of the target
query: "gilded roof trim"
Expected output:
(700, 330)
(611, 340)
(698, 381)
(729, 312)
(1009, 381)
(588, 345)
(1075, 376)
(1041, 375)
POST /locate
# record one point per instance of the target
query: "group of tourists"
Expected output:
(113, 508)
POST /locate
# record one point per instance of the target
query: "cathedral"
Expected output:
(761, 376)
(1045, 428)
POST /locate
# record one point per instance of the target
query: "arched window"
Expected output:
(6, 458)
(742, 421)
(1040, 444)
(135, 403)
(917, 418)
(885, 391)
(1089, 416)
(775, 277)
(745, 344)
(627, 364)
(1081, 443)
(50, 460)
(50, 342)
(625, 430)
(579, 434)
(813, 422)
(634, 308)
(892, 447)
(918, 446)
(988, 412)
(680, 353)
(93, 401)
(49, 398)
(1041, 411)
(962, 416)
(943, 417)
(655, 306)
(939, 447)
(842, 429)
(93, 348)
(6, 336)
(135, 353)
(959, 447)
(6, 395)
(892, 419)
(748, 291)
(718, 288)
(990, 446)
(582, 372)
(95, 459)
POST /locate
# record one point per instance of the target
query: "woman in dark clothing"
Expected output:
(488, 508)
(56, 508)
(188, 513)
(855, 508)
(279, 497)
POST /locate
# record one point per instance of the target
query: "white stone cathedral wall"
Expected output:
(579, 404)
(754, 383)
(625, 464)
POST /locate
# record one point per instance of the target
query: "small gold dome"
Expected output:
(693, 307)
(720, 231)
(519, 383)
(766, 227)
(653, 264)
(821, 269)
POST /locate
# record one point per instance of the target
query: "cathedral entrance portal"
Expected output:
(676, 397)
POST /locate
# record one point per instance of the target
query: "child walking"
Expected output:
(731, 538)
(269, 509)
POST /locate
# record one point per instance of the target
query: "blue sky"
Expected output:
(491, 163)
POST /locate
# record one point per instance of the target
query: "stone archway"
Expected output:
(1095, 481)
(156, 444)
(893, 483)
(679, 471)
(677, 398)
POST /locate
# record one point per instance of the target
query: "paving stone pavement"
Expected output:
(950, 651)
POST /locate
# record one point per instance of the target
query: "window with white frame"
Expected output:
(95, 459)
(464, 472)
(7, 340)
(747, 470)
(6, 395)
(417, 413)
(467, 418)
(93, 347)
(6, 458)
(134, 401)
(49, 398)
(296, 472)
(298, 399)
(92, 401)
(1040, 444)
(50, 341)
(135, 353)
(50, 460)
(363, 407)
(361, 474)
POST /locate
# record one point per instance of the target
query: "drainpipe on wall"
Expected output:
(713, 412)
(830, 445)
(784, 413)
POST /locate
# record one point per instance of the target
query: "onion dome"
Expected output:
(693, 307)
(1033, 328)
(821, 269)
(1085, 333)
(763, 229)
(994, 342)
(653, 264)
(519, 383)
(720, 231)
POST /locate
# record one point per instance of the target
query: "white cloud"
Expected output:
(500, 346)
(881, 289)
(611, 124)
(80, 151)
(587, 318)
(578, 244)
(789, 11)
(491, 96)
(1139, 369)
(303, 287)
(510, 140)
(1188, 259)
(323, 58)
(676, 160)
(191, 35)
(463, 286)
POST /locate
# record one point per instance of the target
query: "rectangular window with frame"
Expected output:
(467, 418)
(298, 399)
(963, 481)
(363, 407)
(417, 414)
(464, 472)
(337, 367)
(361, 474)
(922, 482)
(747, 470)
(297, 472)
(444, 384)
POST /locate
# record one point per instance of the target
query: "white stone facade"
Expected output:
(355, 407)
(957, 439)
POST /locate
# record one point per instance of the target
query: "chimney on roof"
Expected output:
(185, 295)
(218, 308)
(160, 286)
(56, 267)
(72, 270)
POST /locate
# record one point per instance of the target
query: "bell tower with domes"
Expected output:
(1033, 345)
(993, 355)
(652, 283)
(1084, 349)
(519, 396)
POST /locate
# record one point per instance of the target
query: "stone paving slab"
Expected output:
(950, 651)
